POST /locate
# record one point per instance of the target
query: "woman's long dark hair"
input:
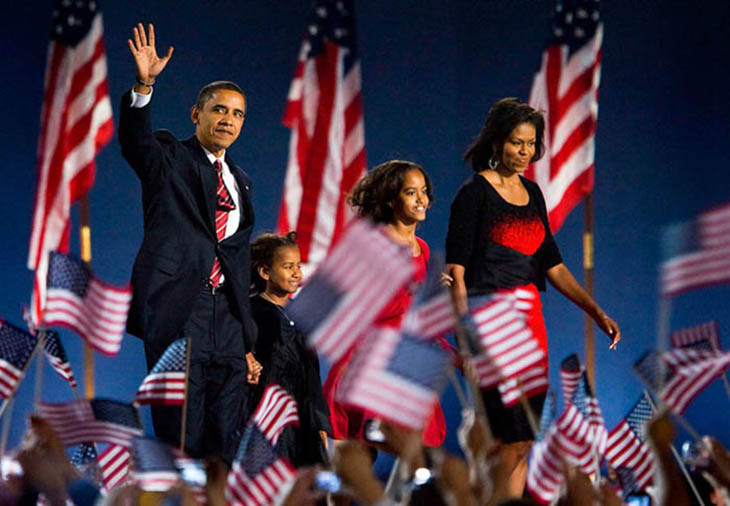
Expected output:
(374, 195)
(503, 117)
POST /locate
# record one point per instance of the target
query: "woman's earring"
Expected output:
(493, 162)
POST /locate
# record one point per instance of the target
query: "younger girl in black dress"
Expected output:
(281, 348)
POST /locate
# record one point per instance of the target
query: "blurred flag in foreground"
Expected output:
(348, 290)
(56, 355)
(396, 375)
(16, 348)
(679, 375)
(696, 254)
(93, 309)
(99, 420)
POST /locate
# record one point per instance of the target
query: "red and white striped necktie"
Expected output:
(224, 205)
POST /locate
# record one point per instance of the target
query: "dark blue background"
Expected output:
(431, 69)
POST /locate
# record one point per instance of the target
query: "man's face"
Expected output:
(219, 121)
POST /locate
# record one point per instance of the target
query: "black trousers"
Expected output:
(216, 383)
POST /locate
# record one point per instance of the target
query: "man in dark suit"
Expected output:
(191, 275)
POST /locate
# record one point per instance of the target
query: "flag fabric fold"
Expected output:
(99, 420)
(327, 145)
(566, 88)
(78, 300)
(56, 355)
(114, 464)
(76, 122)
(275, 411)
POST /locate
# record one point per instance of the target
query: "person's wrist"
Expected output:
(145, 82)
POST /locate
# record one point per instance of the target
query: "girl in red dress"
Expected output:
(397, 194)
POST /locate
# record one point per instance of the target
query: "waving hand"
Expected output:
(149, 64)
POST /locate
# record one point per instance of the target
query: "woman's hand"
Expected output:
(608, 326)
(446, 280)
(149, 64)
(562, 279)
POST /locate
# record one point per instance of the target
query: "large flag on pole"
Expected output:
(566, 88)
(697, 253)
(76, 122)
(327, 146)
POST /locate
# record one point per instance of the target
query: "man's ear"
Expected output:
(263, 272)
(194, 113)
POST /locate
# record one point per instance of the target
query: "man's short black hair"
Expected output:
(207, 91)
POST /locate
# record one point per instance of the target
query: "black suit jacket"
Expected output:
(179, 245)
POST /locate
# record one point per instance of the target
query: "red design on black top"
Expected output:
(520, 234)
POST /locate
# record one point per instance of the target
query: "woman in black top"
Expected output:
(498, 239)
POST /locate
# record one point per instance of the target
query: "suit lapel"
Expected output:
(208, 182)
(244, 185)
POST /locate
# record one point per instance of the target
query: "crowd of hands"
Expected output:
(472, 480)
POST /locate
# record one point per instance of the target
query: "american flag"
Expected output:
(547, 416)
(345, 294)
(153, 467)
(697, 254)
(99, 420)
(276, 410)
(627, 448)
(707, 331)
(432, 313)
(327, 146)
(56, 355)
(587, 404)
(566, 439)
(566, 87)
(76, 122)
(530, 383)
(570, 375)
(396, 375)
(114, 466)
(84, 460)
(258, 474)
(165, 384)
(76, 299)
(509, 346)
(679, 375)
(16, 348)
